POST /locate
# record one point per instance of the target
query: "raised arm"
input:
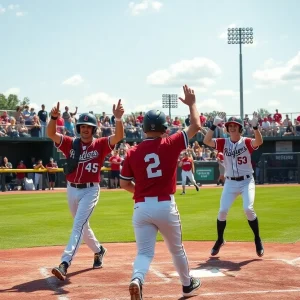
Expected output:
(51, 127)
(190, 101)
(258, 139)
(208, 138)
(118, 112)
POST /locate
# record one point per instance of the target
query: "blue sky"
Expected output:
(91, 53)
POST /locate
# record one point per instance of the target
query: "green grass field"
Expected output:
(43, 219)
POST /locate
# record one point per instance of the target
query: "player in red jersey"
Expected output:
(83, 181)
(153, 165)
(115, 164)
(188, 170)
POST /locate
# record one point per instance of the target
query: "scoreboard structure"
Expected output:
(282, 167)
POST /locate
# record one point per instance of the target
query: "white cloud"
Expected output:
(224, 34)
(74, 80)
(137, 8)
(229, 93)
(13, 6)
(197, 72)
(297, 88)
(208, 105)
(12, 91)
(2, 10)
(62, 104)
(280, 73)
(273, 103)
(20, 13)
(147, 106)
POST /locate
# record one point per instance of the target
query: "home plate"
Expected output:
(214, 272)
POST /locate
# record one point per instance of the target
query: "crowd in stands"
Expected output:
(26, 122)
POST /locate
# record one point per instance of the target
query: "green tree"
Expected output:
(12, 101)
(263, 112)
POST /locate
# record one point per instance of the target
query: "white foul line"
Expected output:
(51, 281)
(160, 275)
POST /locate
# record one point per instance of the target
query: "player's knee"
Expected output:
(222, 214)
(249, 213)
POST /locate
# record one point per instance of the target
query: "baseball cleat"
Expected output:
(183, 193)
(189, 290)
(197, 187)
(216, 248)
(61, 271)
(259, 247)
(135, 289)
(98, 258)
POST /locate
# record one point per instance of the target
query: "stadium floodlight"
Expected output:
(169, 101)
(240, 36)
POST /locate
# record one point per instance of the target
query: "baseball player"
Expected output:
(188, 170)
(238, 173)
(51, 175)
(83, 181)
(115, 164)
(153, 165)
(38, 177)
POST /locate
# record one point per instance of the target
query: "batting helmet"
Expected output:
(155, 120)
(237, 121)
(86, 119)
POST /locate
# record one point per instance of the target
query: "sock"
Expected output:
(221, 227)
(254, 226)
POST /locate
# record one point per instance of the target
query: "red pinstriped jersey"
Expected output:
(91, 158)
(237, 156)
(153, 165)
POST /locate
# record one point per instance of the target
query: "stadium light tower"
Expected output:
(240, 36)
(169, 101)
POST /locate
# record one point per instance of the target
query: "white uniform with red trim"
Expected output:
(238, 174)
(83, 191)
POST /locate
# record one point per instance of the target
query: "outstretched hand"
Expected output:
(55, 111)
(189, 96)
(118, 110)
(219, 119)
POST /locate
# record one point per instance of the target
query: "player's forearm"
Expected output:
(194, 117)
(129, 186)
(119, 132)
(258, 139)
(208, 137)
(51, 128)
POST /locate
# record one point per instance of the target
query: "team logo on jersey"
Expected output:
(236, 152)
(86, 156)
(86, 118)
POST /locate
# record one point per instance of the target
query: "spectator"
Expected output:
(286, 121)
(122, 153)
(297, 127)
(275, 130)
(22, 128)
(277, 117)
(196, 147)
(290, 130)
(187, 121)
(106, 128)
(32, 113)
(298, 119)
(199, 156)
(124, 145)
(12, 130)
(140, 117)
(20, 177)
(103, 117)
(202, 119)
(35, 127)
(18, 114)
(26, 115)
(31, 165)
(60, 124)
(4, 118)
(265, 127)
(270, 118)
(206, 154)
(38, 177)
(43, 116)
(2, 131)
(51, 175)
(8, 176)
(70, 128)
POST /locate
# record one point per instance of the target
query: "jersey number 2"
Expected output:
(242, 160)
(154, 165)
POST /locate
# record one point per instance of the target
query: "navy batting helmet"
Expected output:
(155, 120)
(86, 119)
(237, 121)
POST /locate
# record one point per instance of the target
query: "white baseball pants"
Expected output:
(150, 217)
(189, 174)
